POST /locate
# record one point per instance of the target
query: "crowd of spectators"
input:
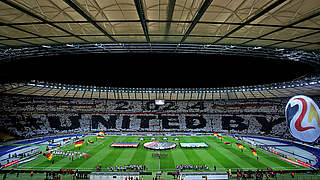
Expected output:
(27, 116)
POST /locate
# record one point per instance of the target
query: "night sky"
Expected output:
(153, 70)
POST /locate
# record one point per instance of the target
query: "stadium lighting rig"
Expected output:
(63, 49)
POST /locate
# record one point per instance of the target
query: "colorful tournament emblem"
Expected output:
(302, 115)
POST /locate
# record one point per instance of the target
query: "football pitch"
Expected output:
(217, 154)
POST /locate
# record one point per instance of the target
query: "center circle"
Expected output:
(159, 145)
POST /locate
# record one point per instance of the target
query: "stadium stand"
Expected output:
(27, 116)
(5, 137)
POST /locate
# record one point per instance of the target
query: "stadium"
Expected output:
(166, 89)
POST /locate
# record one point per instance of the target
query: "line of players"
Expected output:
(192, 167)
(132, 167)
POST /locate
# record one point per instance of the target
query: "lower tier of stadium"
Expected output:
(222, 154)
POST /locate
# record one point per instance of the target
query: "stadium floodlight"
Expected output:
(206, 46)
(46, 46)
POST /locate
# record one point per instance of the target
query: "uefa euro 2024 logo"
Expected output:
(302, 115)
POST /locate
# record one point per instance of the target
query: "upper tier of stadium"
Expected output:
(277, 90)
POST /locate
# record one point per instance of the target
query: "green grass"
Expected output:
(223, 156)
(41, 176)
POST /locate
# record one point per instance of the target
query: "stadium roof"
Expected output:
(277, 29)
(267, 23)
